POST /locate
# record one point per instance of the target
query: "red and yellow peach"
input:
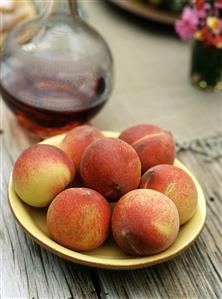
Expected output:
(153, 145)
(76, 141)
(79, 219)
(40, 173)
(144, 222)
(175, 183)
(111, 167)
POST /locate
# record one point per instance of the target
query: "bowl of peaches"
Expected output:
(106, 199)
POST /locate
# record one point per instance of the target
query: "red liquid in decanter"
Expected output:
(56, 70)
(50, 106)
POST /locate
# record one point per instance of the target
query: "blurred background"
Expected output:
(152, 66)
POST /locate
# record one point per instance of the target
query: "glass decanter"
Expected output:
(56, 71)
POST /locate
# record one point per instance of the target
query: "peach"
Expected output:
(153, 145)
(76, 141)
(136, 132)
(111, 167)
(175, 183)
(79, 218)
(40, 173)
(144, 222)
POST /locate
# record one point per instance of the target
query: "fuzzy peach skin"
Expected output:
(144, 222)
(79, 219)
(153, 145)
(40, 173)
(175, 183)
(76, 141)
(110, 166)
(136, 132)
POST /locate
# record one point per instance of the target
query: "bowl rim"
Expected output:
(98, 261)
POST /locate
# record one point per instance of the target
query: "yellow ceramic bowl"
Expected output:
(33, 221)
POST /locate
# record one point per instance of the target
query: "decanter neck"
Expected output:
(61, 6)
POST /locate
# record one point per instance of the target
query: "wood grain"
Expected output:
(197, 273)
(28, 271)
(151, 86)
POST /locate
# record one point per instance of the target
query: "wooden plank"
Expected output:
(37, 273)
(197, 273)
(150, 88)
(27, 270)
(194, 274)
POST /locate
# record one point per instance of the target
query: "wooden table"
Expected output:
(151, 86)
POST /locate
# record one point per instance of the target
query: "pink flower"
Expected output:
(190, 15)
(184, 30)
(188, 24)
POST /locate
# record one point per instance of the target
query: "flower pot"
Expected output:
(206, 66)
